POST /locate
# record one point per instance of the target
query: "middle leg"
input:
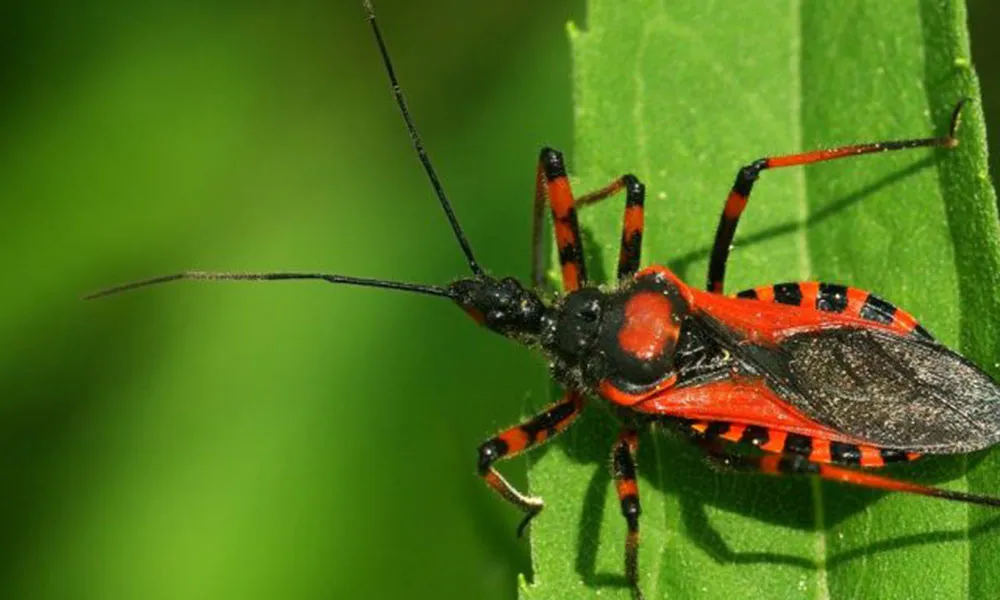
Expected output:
(551, 182)
(633, 223)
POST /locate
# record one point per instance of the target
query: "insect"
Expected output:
(815, 379)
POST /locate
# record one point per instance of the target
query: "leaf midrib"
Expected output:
(806, 271)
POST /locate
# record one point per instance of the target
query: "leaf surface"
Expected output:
(684, 92)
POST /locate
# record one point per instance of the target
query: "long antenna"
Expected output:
(397, 92)
(430, 290)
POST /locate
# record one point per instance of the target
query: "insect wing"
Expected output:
(891, 390)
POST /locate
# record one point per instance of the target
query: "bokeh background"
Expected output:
(289, 440)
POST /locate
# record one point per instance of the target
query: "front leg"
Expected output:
(623, 470)
(511, 442)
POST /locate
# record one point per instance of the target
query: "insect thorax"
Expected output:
(626, 336)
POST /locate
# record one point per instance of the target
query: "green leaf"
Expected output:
(683, 92)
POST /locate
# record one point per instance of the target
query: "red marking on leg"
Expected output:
(805, 158)
(492, 479)
(565, 236)
(735, 203)
(516, 439)
(627, 487)
(634, 218)
(571, 276)
(870, 480)
(560, 196)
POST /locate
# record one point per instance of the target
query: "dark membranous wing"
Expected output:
(890, 390)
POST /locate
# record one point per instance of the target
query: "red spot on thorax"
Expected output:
(649, 325)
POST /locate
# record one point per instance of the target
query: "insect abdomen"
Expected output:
(815, 449)
(839, 299)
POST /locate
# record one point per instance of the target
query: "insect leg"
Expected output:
(745, 178)
(551, 182)
(513, 441)
(632, 223)
(623, 469)
(793, 464)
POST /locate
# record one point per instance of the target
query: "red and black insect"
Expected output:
(814, 378)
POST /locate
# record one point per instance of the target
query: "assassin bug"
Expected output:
(819, 379)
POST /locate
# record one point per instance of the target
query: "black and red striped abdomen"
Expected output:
(857, 366)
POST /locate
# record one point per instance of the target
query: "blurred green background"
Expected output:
(268, 440)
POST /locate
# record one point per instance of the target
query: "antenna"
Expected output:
(418, 145)
(430, 290)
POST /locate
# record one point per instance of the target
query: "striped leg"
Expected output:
(632, 223)
(795, 464)
(745, 178)
(515, 440)
(623, 469)
(551, 182)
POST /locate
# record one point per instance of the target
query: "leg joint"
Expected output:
(634, 190)
(631, 511)
(491, 451)
(622, 463)
(552, 163)
(748, 175)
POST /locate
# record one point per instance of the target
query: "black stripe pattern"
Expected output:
(716, 429)
(845, 454)
(798, 444)
(831, 298)
(891, 455)
(548, 421)
(788, 293)
(755, 435)
(878, 310)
